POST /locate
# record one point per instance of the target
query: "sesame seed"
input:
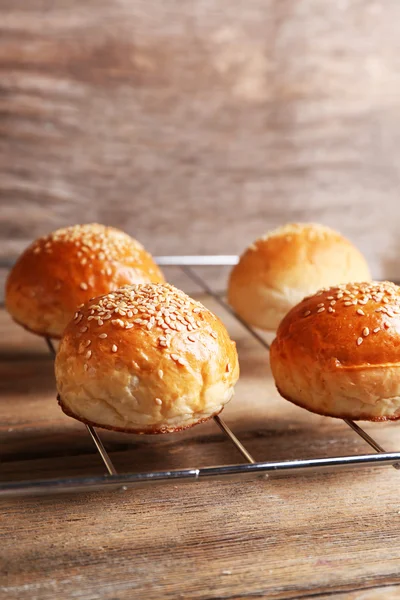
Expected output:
(160, 373)
(83, 329)
(332, 302)
(102, 336)
(83, 286)
(87, 343)
(85, 367)
(88, 354)
(157, 306)
(181, 361)
(365, 331)
(175, 357)
(114, 348)
(320, 305)
(359, 341)
(118, 322)
(330, 309)
(348, 303)
(158, 401)
(320, 310)
(308, 312)
(76, 315)
(360, 311)
(377, 329)
(386, 325)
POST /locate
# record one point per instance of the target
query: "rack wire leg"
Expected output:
(367, 438)
(224, 427)
(92, 432)
(102, 451)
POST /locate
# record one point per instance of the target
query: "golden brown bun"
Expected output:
(291, 262)
(61, 270)
(145, 359)
(337, 353)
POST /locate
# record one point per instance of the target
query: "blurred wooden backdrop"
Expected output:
(197, 125)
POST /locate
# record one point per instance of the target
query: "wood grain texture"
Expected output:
(198, 125)
(306, 537)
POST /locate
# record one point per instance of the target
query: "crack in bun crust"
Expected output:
(137, 431)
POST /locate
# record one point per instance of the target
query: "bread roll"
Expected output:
(61, 270)
(145, 359)
(337, 353)
(291, 262)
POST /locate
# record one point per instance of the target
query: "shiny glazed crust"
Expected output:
(145, 359)
(291, 262)
(337, 353)
(66, 268)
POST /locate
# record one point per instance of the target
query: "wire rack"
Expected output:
(247, 470)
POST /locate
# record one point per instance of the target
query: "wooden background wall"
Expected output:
(197, 125)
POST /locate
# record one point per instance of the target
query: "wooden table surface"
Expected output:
(315, 536)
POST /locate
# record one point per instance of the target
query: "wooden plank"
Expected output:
(302, 537)
(198, 125)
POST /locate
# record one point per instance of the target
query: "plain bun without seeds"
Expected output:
(145, 359)
(278, 270)
(61, 270)
(337, 353)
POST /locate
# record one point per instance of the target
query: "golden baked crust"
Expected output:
(337, 353)
(279, 269)
(145, 359)
(67, 267)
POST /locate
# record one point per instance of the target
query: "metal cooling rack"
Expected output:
(250, 469)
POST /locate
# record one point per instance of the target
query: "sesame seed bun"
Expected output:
(61, 270)
(337, 353)
(145, 359)
(291, 262)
